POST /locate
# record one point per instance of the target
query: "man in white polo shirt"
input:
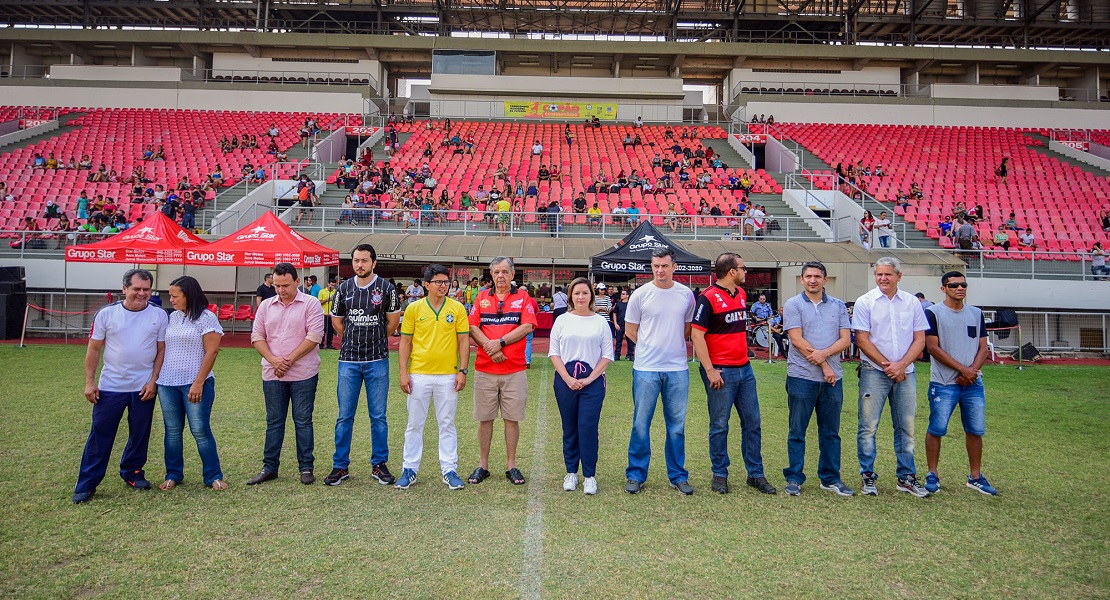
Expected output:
(890, 332)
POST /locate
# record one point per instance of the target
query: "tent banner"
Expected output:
(605, 111)
(635, 267)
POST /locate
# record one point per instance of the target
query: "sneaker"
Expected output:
(975, 484)
(932, 482)
(307, 477)
(684, 488)
(382, 474)
(408, 477)
(793, 488)
(589, 486)
(633, 486)
(452, 480)
(336, 477)
(570, 482)
(137, 481)
(79, 497)
(761, 484)
(720, 484)
(869, 488)
(910, 485)
(839, 488)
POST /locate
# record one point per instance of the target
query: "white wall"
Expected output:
(199, 99)
(1049, 93)
(227, 63)
(902, 114)
(109, 73)
(579, 89)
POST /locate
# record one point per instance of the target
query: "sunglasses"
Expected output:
(953, 286)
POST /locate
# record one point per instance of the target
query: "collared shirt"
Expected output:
(496, 318)
(820, 324)
(365, 312)
(762, 310)
(723, 316)
(434, 335)
(891, 323)
(283, 327)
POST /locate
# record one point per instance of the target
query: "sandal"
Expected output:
(219, 484)
(167, 485)
(515, 476)
(478, 476)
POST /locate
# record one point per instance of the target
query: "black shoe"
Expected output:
(137, 481)
(684, 488)
(633, 486)
(79, 497)
(307, 477)
(336, 477)
(720, 484)
(382, 474)
(761, 484)
(263, 477)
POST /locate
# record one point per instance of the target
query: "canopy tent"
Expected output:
(263, 243)
(632, 255)
(157, 240)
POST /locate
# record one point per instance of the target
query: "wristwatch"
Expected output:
(463, 371)
(502, 340)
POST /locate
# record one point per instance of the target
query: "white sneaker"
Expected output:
(589, 486)
(570, 482)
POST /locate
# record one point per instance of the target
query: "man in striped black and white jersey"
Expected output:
(365, 311)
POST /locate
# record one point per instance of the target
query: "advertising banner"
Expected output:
(605, 111)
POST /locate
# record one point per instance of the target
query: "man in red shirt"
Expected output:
(501, 319)
(719, 334)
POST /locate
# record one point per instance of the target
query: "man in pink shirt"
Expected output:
(287, 332)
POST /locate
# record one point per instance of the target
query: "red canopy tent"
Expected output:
(263, 243)
(157, 240)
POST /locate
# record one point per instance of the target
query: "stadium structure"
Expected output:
(936, 92)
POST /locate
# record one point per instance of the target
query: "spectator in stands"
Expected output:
(1011, 222)
(770, 119)
(596, 122)
(1098, 262)
(64, 227)
(647, 186)
(537, 148)
(85, 163)
(976, 214)
(579, 204)
(556, 173)
(883, 230)
(148, 152)
(533, 190)
(469, 143)
(304, 133)
(544, 174)
(51, 210)
(553, 210)
(639, 122)
(964, 234)
(38, 162)
(188, 214)
(618, 214)
(945, 227)
(1028, 239)
(481, 196)
(100, 176)
(915, 190)
(633, 215)
(1003, 170)
(259, 175)
(976, 243)
(627, 140)
(52, 163)
(753, 225)
(217, 175)
(568, 133)
(594, 217)
(1001, 238)
(670, 218)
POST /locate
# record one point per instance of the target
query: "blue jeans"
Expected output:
(279, 396)
(972, 401)
(175, 408)
(884, 241)
(106, 415)
(738, 392)
(353, 376)
(875, 389)
(528, 348)
(803, 397)
(647, 386)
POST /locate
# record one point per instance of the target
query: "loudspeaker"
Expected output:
(13, 287)
(16, 305)
(12, 274)
(1028, 352)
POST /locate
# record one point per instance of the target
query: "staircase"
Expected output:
(63, 127)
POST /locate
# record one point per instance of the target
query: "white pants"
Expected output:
(427, 389)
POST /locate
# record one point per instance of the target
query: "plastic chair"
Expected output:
(227, 312)
(245, 313)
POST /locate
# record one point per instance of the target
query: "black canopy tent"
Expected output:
(632, 255)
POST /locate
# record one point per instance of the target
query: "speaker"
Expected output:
(12, 274)
(13, 287)
(15, 305)
(1028, 352)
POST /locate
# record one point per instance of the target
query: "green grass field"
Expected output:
(1046, 450)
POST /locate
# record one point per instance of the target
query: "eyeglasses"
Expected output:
(953, 286)
(440, 282)
(744, 269)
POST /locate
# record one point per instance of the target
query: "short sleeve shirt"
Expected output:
(185, 347)
(959, 333)
(662, 315)
(821, 324)
(890, 322)
(515, 310)
(364, 311)
(723, 317)
(130, 344)
(435, 346)
(265, 292)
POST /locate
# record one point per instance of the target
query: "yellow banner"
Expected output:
(605, 111)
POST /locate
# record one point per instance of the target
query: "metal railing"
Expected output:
(1056, 332)
(993, 261)
(39, 244)
(561, 225)
(809, 181)
(824, 88)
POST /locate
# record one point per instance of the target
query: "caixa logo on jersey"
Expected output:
(82, 254)
(209, 257)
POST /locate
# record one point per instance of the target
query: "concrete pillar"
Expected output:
(1088, 86)
(140, 59)
(972, 75)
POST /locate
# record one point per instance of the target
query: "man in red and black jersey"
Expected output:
(500, 320)
(719, 333)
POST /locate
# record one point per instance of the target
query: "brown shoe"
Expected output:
(307, 477)
(263, 477)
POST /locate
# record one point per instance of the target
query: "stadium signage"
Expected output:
(28, 123)
(1078, 145)
(604, 111)
(641, 267)
(210, 257)
(93, 255)
(752, 138)
(360, 130)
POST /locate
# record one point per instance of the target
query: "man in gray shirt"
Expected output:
(957, 342)
(964, 234)
(819, 330)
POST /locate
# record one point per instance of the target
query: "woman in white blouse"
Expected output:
(186, 385)
(581, 347)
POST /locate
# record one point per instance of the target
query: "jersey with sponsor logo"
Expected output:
(724, 319)
(496, 318)
(364, 311)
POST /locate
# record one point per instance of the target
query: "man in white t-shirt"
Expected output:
(131, 337)
(883, 230)
(658, 321)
